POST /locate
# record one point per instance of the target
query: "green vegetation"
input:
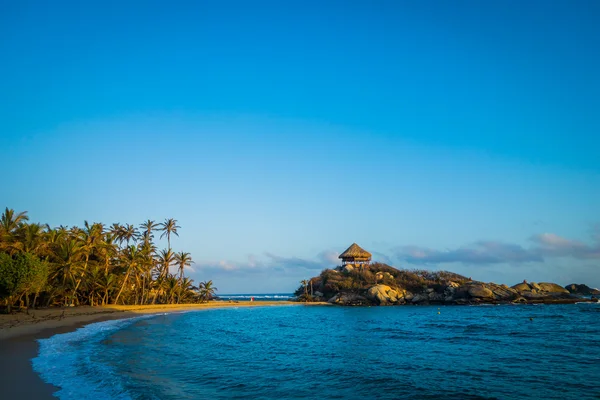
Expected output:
(92, 265)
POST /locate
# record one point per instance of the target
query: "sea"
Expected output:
(332, 352)
(257, 297)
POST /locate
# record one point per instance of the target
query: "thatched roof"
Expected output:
(355, 251)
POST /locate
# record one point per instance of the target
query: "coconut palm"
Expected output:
(32, 239)
(165, 259)
(131, 259)
(67, 260)
(148, 227)
(169, 227)
(206, 290)
(95, 265)
(186, 287)
(304, 283)
(9, 221)
(183, 259)
(129, 233)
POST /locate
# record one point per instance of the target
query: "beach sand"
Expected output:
(19, 334)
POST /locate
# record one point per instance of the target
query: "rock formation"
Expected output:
(380, 284)
(582, 290)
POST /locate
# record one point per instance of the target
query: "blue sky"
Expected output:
(443, 135)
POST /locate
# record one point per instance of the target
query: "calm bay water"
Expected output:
(293, 352)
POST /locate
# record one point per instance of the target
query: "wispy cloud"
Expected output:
(552, 245)
(482, 252)
(543, 246)
(274, 262)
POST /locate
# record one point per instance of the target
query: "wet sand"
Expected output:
(19, 334)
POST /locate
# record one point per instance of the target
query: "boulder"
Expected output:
(384, 295)
(348, 268)
(479, 290)
(348, 299)
(502, 292)
(522, 287)
(318, 294)
(535, 286)
(582, 289)
(419, 298)
(531, 295)
(436, 296)
(552, 288)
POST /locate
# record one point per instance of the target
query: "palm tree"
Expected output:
(68, 258)
(165, 259)
(170, 286)
(32, 239)
(93, 265)
(169, 227)
(206, 289)
(304, 283)
(186, 287)
(129, 233)
(9, 222)
(184, 260)
(131, 257)
(148, 227)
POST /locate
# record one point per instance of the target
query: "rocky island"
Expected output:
(362, 283)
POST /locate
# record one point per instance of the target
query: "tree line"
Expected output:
(92, 265)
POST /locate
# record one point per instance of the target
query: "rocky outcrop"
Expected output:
(384, 285)
(420, 298)
(349, 299)
(480, 290)
(582, 290)
(384, 295)
(383, 275)
(521, 287)
(552, 288)
(539, 290)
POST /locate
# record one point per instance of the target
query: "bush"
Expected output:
(22, 274)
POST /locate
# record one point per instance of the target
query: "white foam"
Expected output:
(64, 358)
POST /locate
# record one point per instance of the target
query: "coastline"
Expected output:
(19, 335)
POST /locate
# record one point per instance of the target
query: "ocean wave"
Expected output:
(66, 361)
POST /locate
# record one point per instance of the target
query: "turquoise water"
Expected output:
(298, 352)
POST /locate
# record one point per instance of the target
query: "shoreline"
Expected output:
(19, 335)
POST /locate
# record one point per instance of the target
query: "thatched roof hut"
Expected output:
(355, 255)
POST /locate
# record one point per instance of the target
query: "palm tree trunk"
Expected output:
(87, 258)
(123, 285)
(35, 298)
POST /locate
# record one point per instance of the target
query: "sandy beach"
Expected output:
(19, 334)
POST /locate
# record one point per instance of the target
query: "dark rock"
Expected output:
(582, 289)
(349, 299)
